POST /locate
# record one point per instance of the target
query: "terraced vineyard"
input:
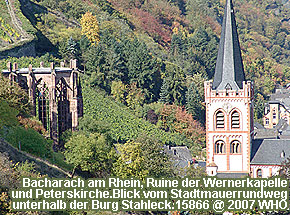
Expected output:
(8, 33)
(12, 23)
(124, 125)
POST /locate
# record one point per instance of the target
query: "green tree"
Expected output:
(143, 69)
(8, 115)
(285, 170)
(72, 48)
(14, 96)
(105, 63)
(118, 91)
(10, 178)
(194, 103)
(130, 162)
(156, 161)
(164, 96)
(175, 79)
(89, 153)
(135, 97)
(259, 107)
(195, 172)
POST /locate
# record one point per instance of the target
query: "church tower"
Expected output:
(229, 106)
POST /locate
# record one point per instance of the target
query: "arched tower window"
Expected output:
(220, 119)
(235, 147)
(259, 173)
(235, 119)
(220, 147)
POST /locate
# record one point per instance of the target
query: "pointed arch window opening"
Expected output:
(235, 120)
(42, 105)
(62, 107)
(220, 120)
(220, 147)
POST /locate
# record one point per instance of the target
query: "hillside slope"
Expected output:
(15, 29)
(124, 125)
(41, 166)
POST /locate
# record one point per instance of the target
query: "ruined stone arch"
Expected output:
(63, 106)
(42, 103)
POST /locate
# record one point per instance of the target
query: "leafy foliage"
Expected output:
(124, 125)
(14, 95)
(285, 171)
(28, 140)
(143, 157)
(89, 152)
(176, 119)
(8, 115)
(32, 123)
(130, 161)
(90, 27)
(127, 61)
(10, 178)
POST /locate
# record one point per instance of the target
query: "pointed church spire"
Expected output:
(229, 71)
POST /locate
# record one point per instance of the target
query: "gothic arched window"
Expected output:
(42, 104)
(220, 119)
(220, 147)
(235, 147)
(235, 119)
(64, 119)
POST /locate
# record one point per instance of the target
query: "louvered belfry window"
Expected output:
(220, 119)
(235, 120)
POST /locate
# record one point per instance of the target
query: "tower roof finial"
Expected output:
(229, 71)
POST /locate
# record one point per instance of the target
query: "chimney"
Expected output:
(70, 63)
(41, 64)
(62, 65)
(15, 66)
(73, 64)
(30, 68)
(52, 66)
(9, 66)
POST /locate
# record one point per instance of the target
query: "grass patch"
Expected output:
(28, 140)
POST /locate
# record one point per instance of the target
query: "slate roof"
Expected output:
(258, 125)
(285, 133)
(279, 132)
(266, 133)
(281, 96)
(229, 71)
(201, 164)
(282, 125)
(180, 153)
(268, 151)
(232, 175)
